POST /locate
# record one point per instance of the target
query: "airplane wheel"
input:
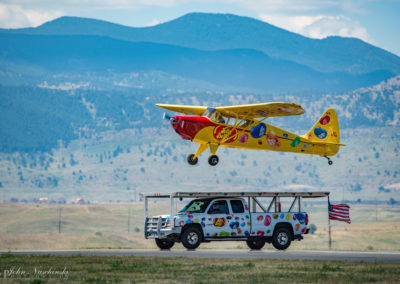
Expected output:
(330, 162)
(192, 161)
(213, 160)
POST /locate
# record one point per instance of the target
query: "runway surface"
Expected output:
(351, 256)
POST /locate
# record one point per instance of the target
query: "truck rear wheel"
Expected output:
(282, 238)
(164, 243)
(256, 243)
(191, 238)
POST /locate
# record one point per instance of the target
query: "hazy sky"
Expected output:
(377, 22)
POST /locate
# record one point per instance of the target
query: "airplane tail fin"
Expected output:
(326, 130)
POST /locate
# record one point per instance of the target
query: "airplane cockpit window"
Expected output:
(211, 113)
(217, 116)
(245, 123)
(230, 121)
(214, 115)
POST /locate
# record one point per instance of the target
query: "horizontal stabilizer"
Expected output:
(327, 143)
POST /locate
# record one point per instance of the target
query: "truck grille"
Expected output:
(153, 225)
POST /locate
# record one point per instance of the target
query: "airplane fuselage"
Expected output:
(203, 130)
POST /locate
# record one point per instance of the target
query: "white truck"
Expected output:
(230, 216)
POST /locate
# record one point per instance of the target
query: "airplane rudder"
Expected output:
(329, 122)
(326, 129)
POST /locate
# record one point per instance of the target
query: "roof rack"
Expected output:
(182, 194)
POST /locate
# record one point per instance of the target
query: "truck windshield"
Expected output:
(196, 206)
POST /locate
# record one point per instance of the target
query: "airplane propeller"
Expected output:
(168, 117)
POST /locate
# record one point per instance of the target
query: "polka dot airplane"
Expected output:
(243, 127)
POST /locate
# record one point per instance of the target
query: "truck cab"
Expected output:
(230, 216)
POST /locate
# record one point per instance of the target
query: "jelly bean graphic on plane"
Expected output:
(243, 127)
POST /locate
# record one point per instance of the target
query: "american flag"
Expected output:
(339, 212)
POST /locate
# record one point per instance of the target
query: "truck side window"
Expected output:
(237, 206)
(196, 206)
(219, 207)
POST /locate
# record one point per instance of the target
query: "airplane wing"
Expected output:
(261, 110)
(188, 110)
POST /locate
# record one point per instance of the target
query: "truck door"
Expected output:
(217, 219)
(240, 222)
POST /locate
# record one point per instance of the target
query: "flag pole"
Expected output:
(329, 227)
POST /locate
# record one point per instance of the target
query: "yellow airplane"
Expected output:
(243, 127)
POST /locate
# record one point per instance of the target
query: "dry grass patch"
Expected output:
(28, 226)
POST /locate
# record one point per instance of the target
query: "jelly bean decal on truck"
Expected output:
(219, 222)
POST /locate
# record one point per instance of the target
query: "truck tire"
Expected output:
(282, 238)
(164, 243)
(256, 243)
(191, 238)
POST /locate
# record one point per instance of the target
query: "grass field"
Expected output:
(28, 226)
(97, 269)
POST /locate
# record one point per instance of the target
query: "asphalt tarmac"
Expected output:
(350, 256)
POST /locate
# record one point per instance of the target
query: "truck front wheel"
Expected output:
(164, 243)
(191, 238)
(282, 238)
(256, 243)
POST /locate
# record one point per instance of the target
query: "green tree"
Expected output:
(313, 228)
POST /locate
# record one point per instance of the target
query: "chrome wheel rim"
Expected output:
(282, 238)
(192, 238)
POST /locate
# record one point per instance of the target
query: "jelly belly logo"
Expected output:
(225, 134)
(219, 222)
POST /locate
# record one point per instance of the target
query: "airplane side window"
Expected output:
(230, 121)
(245, 123)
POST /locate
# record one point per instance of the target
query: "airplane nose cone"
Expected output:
(188, 126)
(181, 126)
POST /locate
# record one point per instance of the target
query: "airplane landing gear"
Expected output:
(191, 160)
(213, 160)
(330, 162)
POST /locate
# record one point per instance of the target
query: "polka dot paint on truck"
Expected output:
(259, 224)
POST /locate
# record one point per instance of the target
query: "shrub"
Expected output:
(313, 228)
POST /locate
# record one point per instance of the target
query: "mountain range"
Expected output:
(225, 50)
(226, 31)
(238, 67)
